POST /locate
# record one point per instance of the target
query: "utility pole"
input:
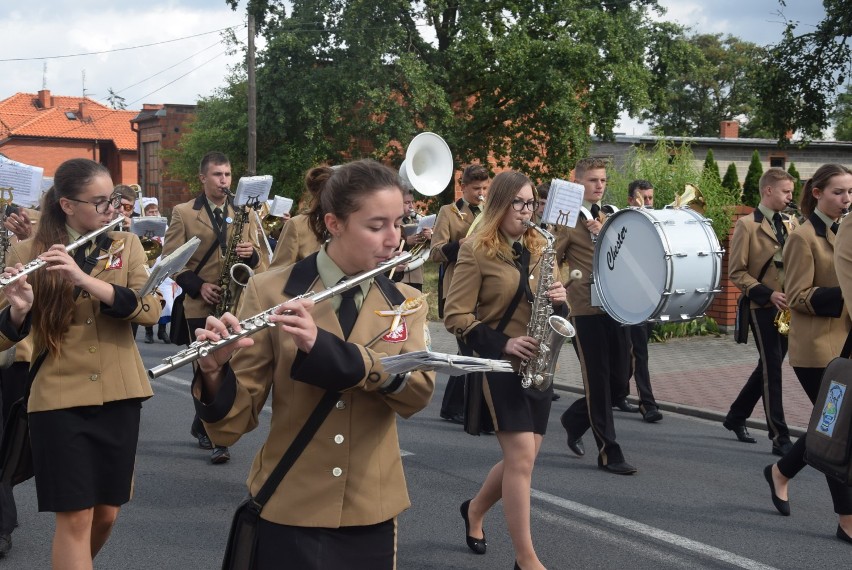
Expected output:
(252, 101)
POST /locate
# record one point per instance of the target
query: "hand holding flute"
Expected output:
(19, 294)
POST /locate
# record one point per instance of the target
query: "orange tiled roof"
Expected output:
(20, 116)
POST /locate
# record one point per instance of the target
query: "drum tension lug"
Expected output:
(680, 291)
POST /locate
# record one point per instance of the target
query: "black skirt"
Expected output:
(514, 408)
(284, 547)
(85, 456)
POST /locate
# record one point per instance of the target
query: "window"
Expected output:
(777, 161)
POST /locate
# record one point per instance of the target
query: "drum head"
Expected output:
(631, 266)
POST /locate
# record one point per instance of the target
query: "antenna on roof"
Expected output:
(84, 83)
(44, 76)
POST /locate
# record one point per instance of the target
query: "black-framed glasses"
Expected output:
(101, 206)
(519, 205)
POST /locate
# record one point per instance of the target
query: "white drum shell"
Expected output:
(656, 265)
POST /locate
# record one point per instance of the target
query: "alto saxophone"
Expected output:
(548, 329)
(235, 274)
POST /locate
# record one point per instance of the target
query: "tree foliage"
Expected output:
(802, 73)
(797, 182)
(731, 180)
(711, 169)
(712, 80)
(842, 116)
(520, 84)
(751, 186)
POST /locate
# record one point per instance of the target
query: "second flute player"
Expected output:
(347, 488)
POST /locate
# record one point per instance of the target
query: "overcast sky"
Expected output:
(181, 71)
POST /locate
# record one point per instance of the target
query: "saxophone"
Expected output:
(548, 329)
(235, 274)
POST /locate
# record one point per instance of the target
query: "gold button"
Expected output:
(90, 320)
(93, 349)
(93, 377)
(340, 405)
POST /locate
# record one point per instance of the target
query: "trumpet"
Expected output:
(38, 263)
(260, 321)
(782, 322)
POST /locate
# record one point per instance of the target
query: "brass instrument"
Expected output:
(259, 322)
(782, 322)
(272, 226)
(548, 329)
(7, 357)
(235, 274)
(691, 198)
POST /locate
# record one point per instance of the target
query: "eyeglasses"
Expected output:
(101, 206)
(127, 207)
(519, 205)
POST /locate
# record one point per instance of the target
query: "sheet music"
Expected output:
(426, 222)
(563, 203)
(23, 179)
(252, 189)
(451, 364)
(280, 206)
(169, 265)
(150, 226)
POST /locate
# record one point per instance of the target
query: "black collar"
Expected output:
(460, 204)
(758, 215)
(818, 224)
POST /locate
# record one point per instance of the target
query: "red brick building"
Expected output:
(45, 130)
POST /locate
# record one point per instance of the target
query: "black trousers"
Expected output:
(453, 402)
(193, 324)
(794, 460)
(602, 347)
(638, 369)
(765, 380)
(13, 385)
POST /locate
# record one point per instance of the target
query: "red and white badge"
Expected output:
(399, 334)
(113, 260)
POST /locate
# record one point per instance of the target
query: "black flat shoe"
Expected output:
(478, 545)
(621, 468)
(575, 444)
(740, 431)
(780, 504)
(841, 534)
(625, 406)
(781, 449)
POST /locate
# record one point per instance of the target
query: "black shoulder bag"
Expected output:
(242, 538)
(179, 329)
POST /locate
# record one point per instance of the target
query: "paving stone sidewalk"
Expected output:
(698, 376)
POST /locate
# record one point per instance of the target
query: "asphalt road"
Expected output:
(698, 501)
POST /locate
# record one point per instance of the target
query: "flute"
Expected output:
(260, 321)
(38, 263)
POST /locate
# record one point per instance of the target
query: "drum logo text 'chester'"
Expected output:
(613, 250)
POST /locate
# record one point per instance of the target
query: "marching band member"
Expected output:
(347, 488)
(756, 267)
(298, 239)
(819, 323)
(410, 216)
(450, 231)
(89, 380)
(601, 342)
(488, 309)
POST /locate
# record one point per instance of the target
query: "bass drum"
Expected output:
(656, 265)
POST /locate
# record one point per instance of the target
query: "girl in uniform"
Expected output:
(86, 394)
(347, 488)
(500, 261)
(300, 236)
(819, 322)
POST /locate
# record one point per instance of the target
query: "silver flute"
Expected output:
(260, 321)
(38, 263)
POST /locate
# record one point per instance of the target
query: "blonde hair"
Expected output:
(503, 190)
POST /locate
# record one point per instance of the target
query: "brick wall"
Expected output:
(723, 310)
(47, 154)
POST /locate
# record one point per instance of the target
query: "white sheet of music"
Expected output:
(150, 226)
(252, 189)
(170, 265)
(563, 203)
(426, 222)
(23, 179)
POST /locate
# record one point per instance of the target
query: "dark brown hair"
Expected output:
(474, 173)
(819, 181)
(212, 157)
(53, 301)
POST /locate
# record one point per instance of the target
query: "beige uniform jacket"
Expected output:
(451, 225)
(351, 471)
(191, 219)
(481, 292)
(753, 247)
(296, 242)
(818, 324)
(99, 361)
(843, 261)
(575, 247)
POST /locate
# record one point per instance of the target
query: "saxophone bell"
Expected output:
(782, 322)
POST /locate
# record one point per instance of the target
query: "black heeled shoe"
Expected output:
(780, 504)
(841, 534)
(478, 545)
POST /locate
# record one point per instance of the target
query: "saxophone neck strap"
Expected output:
(219, 228)
(523, 286)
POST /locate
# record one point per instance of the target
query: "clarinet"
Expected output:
(38, 263)
(260, 321)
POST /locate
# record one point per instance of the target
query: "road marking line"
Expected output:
(663, 536)
(267, 407)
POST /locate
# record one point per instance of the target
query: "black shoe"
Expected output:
(781, 449)
(841, 534)
(740, 431)
(478, 545)
(453, 418)
(203, 441)
(575, 444)
(163, 336)
(625, 406)
(621, 468)
(220, 455)
(651, 414)
(149, 337)
(553, 398)
(780, 504)
(6, 542)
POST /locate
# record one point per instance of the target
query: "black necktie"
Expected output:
(217, 218)
(347, 314)
(780, 233)
(523, 262)
(80, 255)
(834, 227)
(595, 211)
(474, 210)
